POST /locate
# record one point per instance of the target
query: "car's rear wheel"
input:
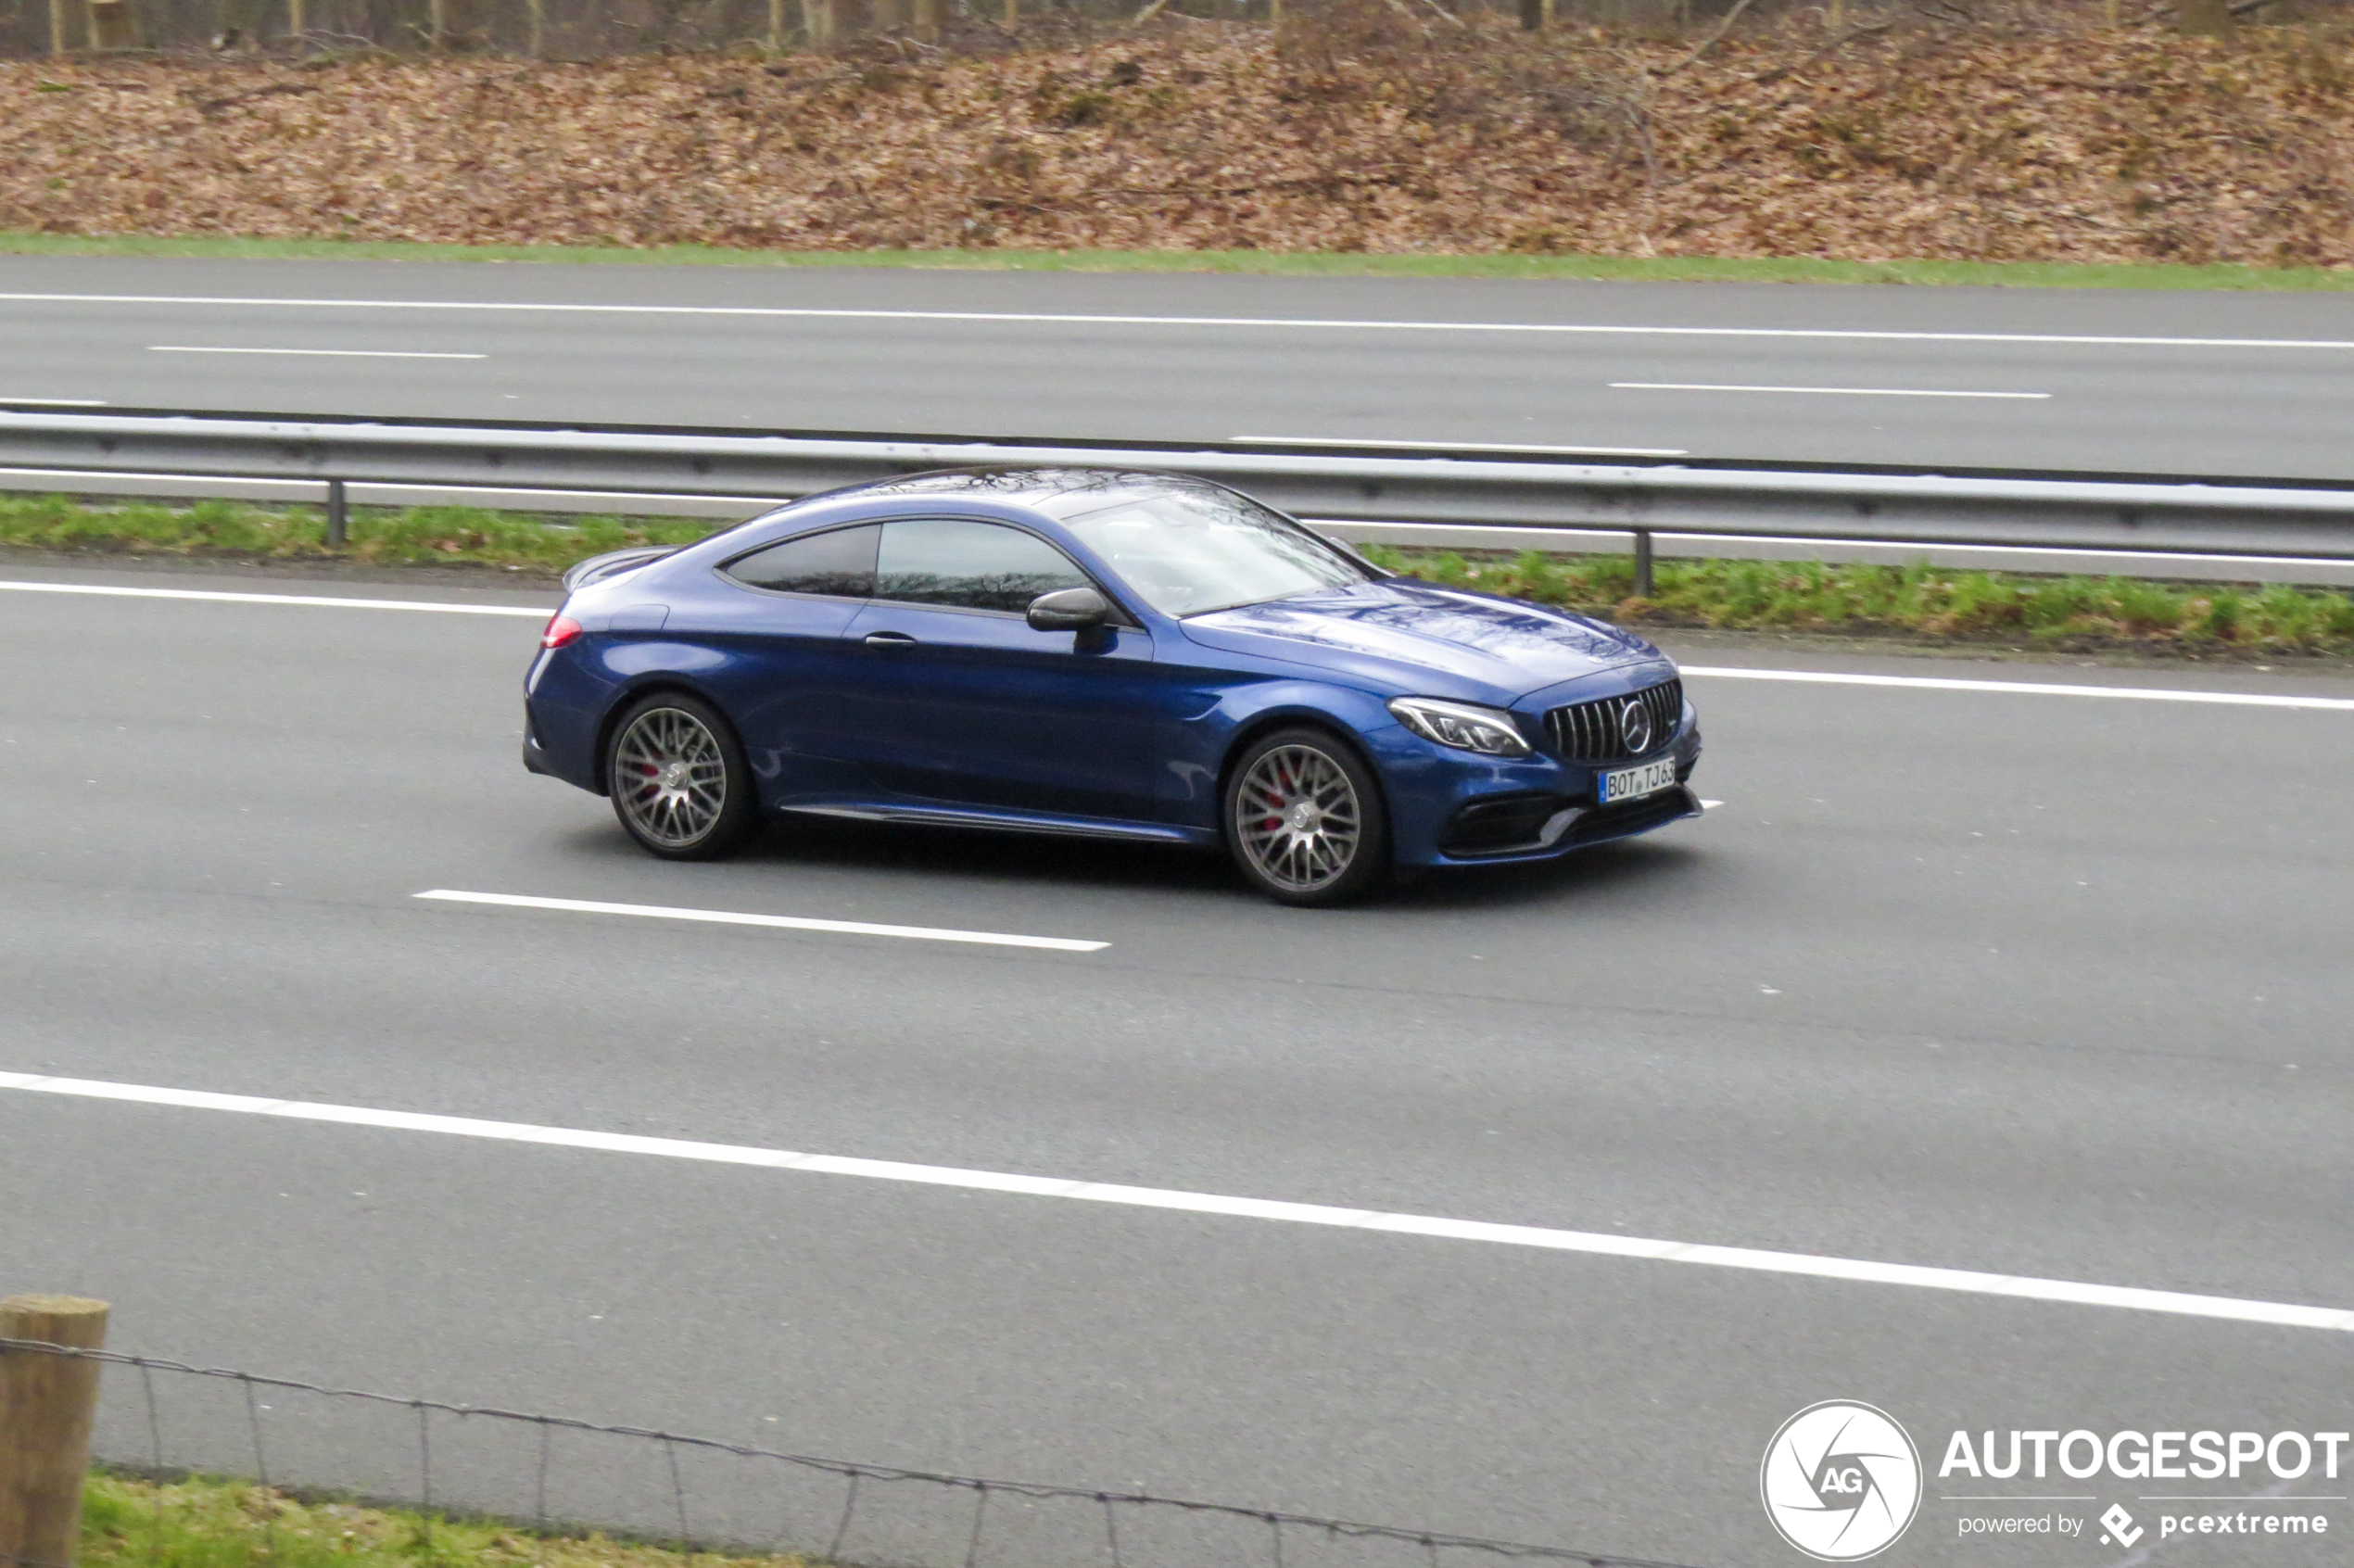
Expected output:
(1305, 819)
(678, 779)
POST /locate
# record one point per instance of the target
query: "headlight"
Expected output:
(1463, 726)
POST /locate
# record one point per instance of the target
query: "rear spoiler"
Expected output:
(613, 563)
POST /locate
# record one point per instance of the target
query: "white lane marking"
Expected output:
(785, 922)
(541, 613)
(1831, 678)
(1871, 335)
(2031, 689)
(2063, 553)
(53, 402)
(1440, 448)
(314, 353)
(1818, 391)
(1857, 1270)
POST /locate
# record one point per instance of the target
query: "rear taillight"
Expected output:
(560, 630)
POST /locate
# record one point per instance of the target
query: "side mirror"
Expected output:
(1070, 609)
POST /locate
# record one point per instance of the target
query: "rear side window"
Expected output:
(970, 566)
(838, 562)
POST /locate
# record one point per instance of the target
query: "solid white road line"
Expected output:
(315, 353)
(2059, 552)
(2031, 689)
(1066, 319)
(1438, 448)
(103, 590)
(784, 922)
(1823, 391)
(1854, 1271)
(1830, 677)
(53, 402)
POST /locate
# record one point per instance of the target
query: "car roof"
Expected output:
(1060, 493)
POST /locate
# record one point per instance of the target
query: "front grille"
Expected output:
(1596, 731)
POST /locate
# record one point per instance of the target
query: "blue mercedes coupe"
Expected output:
(1119, 655)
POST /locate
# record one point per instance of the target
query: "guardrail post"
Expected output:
(338, 515)
(1642, 563)
(47, 1404)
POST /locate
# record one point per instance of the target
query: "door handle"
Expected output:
(889, 639)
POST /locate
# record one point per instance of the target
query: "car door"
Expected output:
(775, 618)
(953, 698)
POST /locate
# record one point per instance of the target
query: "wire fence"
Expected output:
(575, 29)
(551, 1475)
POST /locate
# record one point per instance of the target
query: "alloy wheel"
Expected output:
(670, 777)
(1298, 818)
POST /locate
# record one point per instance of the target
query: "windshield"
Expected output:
(1189, 551)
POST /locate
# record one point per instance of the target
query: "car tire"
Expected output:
(1304, 818)
(678, 779)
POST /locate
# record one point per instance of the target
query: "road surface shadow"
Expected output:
(1640, 870)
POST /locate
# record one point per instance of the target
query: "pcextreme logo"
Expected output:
(1842, 1480)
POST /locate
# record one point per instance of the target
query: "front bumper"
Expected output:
(1450, 807)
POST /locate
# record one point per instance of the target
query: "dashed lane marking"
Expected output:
(781, 922)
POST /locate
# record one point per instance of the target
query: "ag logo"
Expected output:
(1840, 1481)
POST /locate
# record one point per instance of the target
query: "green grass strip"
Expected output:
(424, 536)
(204, 1524)
(1941, 603)
(1938, 602)
(1664, 269)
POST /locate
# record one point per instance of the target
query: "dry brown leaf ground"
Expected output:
(1371, 134)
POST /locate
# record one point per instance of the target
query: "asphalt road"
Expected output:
(2137, 381)
(2038, 985)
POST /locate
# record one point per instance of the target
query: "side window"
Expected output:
(839, 561)
(971, 565)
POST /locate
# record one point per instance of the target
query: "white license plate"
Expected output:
(1629, 783)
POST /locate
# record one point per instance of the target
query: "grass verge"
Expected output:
(129, 1522)
(1935, 602)
(1944, 604)
(1664, 269)
(424, 536)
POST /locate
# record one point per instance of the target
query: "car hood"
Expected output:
(1405, 632)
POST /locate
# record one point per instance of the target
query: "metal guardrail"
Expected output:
(1637, 498)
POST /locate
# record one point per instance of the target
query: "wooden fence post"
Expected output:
(111, 25)
(46, 1406)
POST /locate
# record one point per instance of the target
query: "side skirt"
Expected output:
(1014, 822)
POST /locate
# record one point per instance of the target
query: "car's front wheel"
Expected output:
(1305, 819)
(679, 779)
